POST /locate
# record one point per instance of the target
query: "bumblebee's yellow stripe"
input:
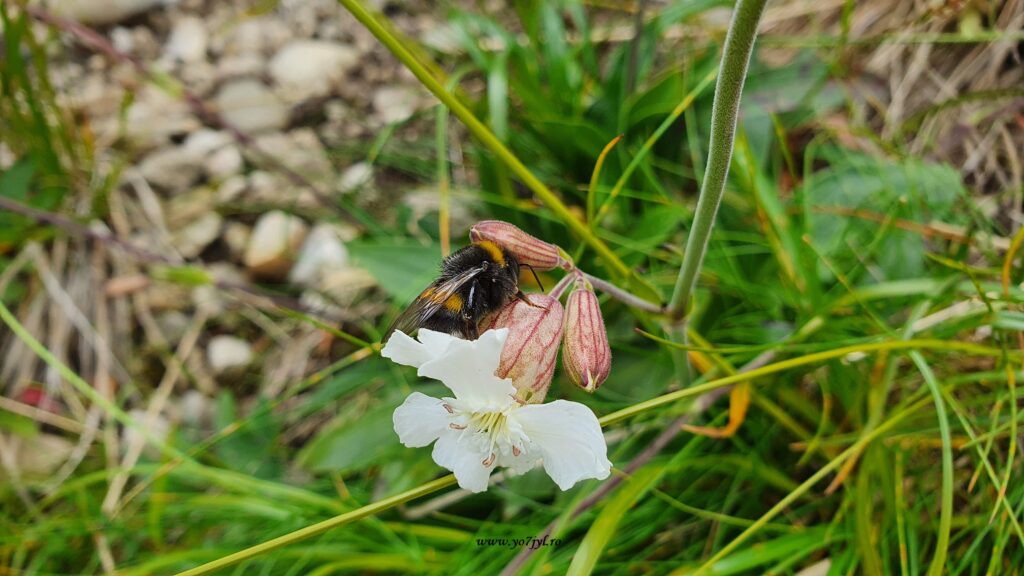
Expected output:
(453, 303)
(494, 251)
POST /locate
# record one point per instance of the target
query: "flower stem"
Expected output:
(563, 284)
(739, 43)
(623, 296)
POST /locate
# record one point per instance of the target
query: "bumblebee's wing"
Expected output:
(430, 301)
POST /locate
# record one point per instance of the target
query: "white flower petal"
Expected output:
(568, 437)
(435, 342)
(420, 420)
(454, 452)
(517, 465)
(402, 349)
(467, 367)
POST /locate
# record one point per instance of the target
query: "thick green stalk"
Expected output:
(482, 133)
(739, 42)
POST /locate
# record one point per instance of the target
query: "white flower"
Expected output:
(483, 426)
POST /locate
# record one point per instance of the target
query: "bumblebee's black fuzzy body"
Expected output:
(474, 281)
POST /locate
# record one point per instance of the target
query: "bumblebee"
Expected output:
(474, 281)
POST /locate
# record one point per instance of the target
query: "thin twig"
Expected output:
(40, 415)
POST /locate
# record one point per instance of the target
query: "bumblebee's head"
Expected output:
(496, 254)
(504, 266)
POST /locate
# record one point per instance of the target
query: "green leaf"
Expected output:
(250, 450)
(781, 548)
(876, 189)
(403, 269)
(184, 275)
(354, 444)
(14, 184)
(15, 181)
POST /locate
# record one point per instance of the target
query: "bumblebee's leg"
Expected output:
(522, 297)
(469, 328)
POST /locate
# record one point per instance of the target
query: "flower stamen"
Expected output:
(449, 408)
(455, 426)
(490, 460)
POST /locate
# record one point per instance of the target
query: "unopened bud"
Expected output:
(534, 333)
(528, 250)
(587, 358)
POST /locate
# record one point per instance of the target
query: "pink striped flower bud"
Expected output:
(528, 250)
(535, 331)
(587, 358)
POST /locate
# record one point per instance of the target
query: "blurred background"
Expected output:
(209, 211)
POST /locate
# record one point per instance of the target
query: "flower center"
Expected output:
(492, 433)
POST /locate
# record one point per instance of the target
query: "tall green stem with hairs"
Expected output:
(739, 42)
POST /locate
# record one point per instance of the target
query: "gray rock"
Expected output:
(299, 150)
(104, 11)
(122, 39)
(274, 188)
(227, 353)
(173, 169)
(345, 285)
(274, 244)
(196, 409)
(194, 237)
(240, 65)
(236, 236)
(204, 142)
(251, 107)
(155, 116)
(305, 69)
(187, 42)
(322, 252)
(355, 177)
(183, 209)
(261, 36)
(231, 189)
(224, 163)
(172, 324)
(395, 104)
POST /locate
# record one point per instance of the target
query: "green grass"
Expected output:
(882, 435)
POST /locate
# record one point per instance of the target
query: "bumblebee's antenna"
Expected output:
(535, 277)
